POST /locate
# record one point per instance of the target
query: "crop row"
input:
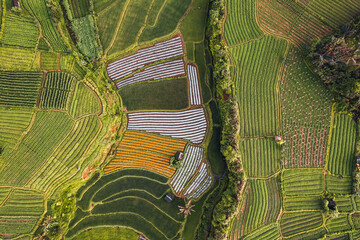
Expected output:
(39, 9)
(344, 204)
(192, 159)
(306, 110)
(189, 124)
(338, 224)
(260, 206)
(303, 182)
(141, 150)
(19, 89)
(13, 123)
(338, 184)
(160, 51)
(20, 31)
(194, 85)
(199, 177)
(129, 198)
(79, 8)
(56, 90)
(23, 203)
(267, 232)
(302, 203)
(46, 133)
(18, 59)
(241, 13)
(297, 222)
(261, 157)
(13, 226)
(67, 153)
(84, 101)
(115, 178)
(341, 157)
(257, 65)
(174, 68)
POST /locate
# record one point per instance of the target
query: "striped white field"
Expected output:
(192, 159)
(188, 124)
(194, 87)
(203, 187)
(200, 177)
(170, 69)
(160, 51)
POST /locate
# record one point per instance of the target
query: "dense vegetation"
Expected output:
(336, 60)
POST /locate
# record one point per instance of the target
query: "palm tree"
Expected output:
(187, 209)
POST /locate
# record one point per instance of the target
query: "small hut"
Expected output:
(169, 197)
(179, 155)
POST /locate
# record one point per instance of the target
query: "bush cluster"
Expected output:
(228, 205)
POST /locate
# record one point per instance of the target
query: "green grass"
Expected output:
(260, 206)
(133, 20)
(100, 5)
(161, 95)
(295, 223)
(261, 157)
(107, 23)
(340, 186)
(19, 89)
(193, 26)
(167, 20)
(214, 155)
(39, 10)
(68, 153)
(342, 148)
(56, 90)
(84, 29)
(49, 61)
(269, 232)
(240, 24)
(108, 233)
(204, 78)
(18, 59)
(301, 182)
(84, 102)
(338, 224)
(48, 130)
(20, 31)
(257, 65)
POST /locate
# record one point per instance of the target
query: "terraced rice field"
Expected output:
(260, 206)
(133, 197)
(145, 151)
(294, 223)
(189, 124)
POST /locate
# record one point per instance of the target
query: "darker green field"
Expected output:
(161, 95)
(19, 89)
(214, 155)
(129, 198)
(108, 233)
(56, 90)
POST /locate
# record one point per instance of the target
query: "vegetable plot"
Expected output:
(194, 87)
(189, 124)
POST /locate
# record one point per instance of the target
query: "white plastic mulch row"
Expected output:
(203, 187)
(203, 173)
(160, 51)
(189, 124)
(159, 71)
(192, 159)
(194, 88)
